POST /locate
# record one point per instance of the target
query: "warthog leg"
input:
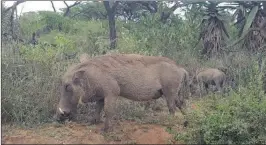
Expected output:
(171, 105)
(109, 108)
(99, 108)
(170, 95)
(206, 86)
(221, 86)
(184, 113)
(180, 104)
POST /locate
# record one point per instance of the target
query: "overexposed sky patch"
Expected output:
(34, 6)
(29, 6)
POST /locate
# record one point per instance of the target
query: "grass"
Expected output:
(26, 101)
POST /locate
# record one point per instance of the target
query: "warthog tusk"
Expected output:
(80, 101)
(61, 110)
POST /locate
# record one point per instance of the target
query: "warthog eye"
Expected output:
(68, 87)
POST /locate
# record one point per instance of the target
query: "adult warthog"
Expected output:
(104, 78)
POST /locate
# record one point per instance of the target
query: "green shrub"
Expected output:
(30, 22)
(236, 119)
(26, 77)
(55, 21)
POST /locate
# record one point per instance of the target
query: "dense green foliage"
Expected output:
(235, 119)
(31, 73)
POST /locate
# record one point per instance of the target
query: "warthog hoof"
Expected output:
(185, 123)
(58, 119)
(106, 130)
(95, 121)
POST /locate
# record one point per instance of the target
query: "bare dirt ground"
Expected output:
(145, 127)
(126, 132)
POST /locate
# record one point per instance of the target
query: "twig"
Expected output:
(69, 7)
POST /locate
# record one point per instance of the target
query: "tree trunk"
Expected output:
(111, 18)
(12, 23)
(67, 12)
(112, 35)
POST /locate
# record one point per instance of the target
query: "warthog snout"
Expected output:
(62, 115)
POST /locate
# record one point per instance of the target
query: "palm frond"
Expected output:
(250, 19)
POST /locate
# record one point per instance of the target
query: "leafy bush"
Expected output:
(46, 53)
(236, 119)
(44, 21)
(55, 21)
(30, 22)
(25, 98)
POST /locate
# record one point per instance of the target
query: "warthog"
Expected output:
(208, 77)
(105, 78)
(184, 89)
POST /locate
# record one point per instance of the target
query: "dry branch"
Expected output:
(69, 7)
(13, 6)
(53, 6)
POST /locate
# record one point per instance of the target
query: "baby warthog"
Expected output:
(207, 77)
(105, 78)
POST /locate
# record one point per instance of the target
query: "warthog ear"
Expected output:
(68, 88)
(78, 76)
